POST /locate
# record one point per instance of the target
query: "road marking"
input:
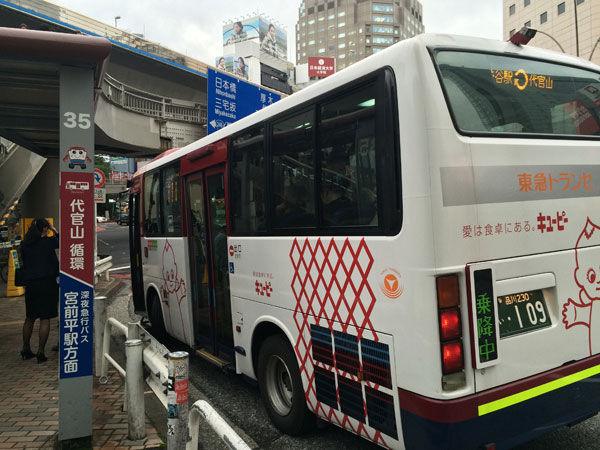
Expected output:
(16, 322)
(118, 268)
(105, 243)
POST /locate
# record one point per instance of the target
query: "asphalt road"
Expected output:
(238, 400)
(113, 240)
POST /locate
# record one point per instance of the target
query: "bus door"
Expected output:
(135, 253)
(208, 257)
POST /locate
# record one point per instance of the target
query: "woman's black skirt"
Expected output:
(41, 298)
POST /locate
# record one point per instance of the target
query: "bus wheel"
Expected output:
(156, 317)
(281, 387)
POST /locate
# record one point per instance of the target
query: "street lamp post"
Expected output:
(576, 29)
(116, 18)
(557, 43)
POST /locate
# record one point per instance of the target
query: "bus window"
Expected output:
(171, 204)
(152, 204)
(348, 175)
(504, 94)
(247, 182)
(293, 171)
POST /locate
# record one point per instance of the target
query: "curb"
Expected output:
(108, 290)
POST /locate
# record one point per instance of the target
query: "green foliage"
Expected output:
(103, 164)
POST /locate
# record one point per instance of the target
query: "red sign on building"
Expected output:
(320, 67)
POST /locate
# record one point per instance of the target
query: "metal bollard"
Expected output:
(134, 382)
(99, 322)
(177, 401)
(133, 332)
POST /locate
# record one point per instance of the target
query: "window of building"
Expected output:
(311, 42)
(579, 2)
(511, 9)
(342, 56)
(321, 19)
(383, 8)
(561, 8)
(341, 35)
(528, 24)
(341, 13)
(544, 17)
(303, 24)
(341, 24)
(368, 40)
(377, 50)
(322, 50)
(383, 40)
(321, 29)
(382, 29)
(526, 2)
(311, 10)
(311, 53)
(382, 19)
(293, 171)
(248, 175)
(303, 53)
(511, 33)
(360, 30)
(331, 48)
(342, 45)
(330, 5)
(311, 21)
(320, 8)
(311, 31)
(321, 40)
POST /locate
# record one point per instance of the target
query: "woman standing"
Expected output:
(41, 290)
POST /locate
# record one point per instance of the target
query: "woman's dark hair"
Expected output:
(34, 233)
(239, 24)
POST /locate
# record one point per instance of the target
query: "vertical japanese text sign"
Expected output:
(484, 317)
(77, 224)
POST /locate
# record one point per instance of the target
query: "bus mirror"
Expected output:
(523, 36)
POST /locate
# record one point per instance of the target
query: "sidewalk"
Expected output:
(29, 391)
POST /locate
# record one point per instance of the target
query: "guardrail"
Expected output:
(216, 422)
(143, 349)
(102, 266)
(149, 104)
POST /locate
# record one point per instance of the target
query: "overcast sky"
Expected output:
(195, 28)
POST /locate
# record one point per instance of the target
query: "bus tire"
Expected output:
(281, 387)
(156, 318)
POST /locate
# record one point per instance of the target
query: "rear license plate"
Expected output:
(522, 312)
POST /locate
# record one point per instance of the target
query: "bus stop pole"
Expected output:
(177, 401)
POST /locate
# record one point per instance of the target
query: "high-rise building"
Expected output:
(350, 30)
(573, 25)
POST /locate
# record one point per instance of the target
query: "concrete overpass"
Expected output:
(150, 98)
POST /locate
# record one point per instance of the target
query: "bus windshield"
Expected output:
(490, 93)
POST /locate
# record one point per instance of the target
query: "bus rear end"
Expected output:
(515, 180)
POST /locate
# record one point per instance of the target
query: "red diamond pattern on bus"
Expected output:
(330, 285)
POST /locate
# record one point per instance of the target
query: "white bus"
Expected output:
(408, 249)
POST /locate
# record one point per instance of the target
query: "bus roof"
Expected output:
(364, 67)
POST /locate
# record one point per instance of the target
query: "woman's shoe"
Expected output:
(27, 354)
(41, 358)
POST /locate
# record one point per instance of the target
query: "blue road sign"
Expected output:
(230, 99)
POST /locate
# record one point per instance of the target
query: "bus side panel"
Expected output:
(164, 267)
(333, 379)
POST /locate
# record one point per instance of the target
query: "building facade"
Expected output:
(574, 24)
(350, 30)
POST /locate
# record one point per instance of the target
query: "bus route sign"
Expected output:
(230, 99)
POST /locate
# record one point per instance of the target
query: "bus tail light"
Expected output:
(450, 324)
(448, 298)
(452, 357)
(448, 292)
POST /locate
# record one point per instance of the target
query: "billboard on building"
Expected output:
(273, 40)
(320, 67)
(241, 30)
(225, 63)
(271, 37)
(240, 67)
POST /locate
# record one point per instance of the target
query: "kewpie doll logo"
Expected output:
(587, 277)
(173, 287)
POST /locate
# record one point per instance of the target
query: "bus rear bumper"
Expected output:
(507, 415)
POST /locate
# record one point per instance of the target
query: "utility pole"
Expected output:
(576, 29)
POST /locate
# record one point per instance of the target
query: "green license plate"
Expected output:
(522, 312)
